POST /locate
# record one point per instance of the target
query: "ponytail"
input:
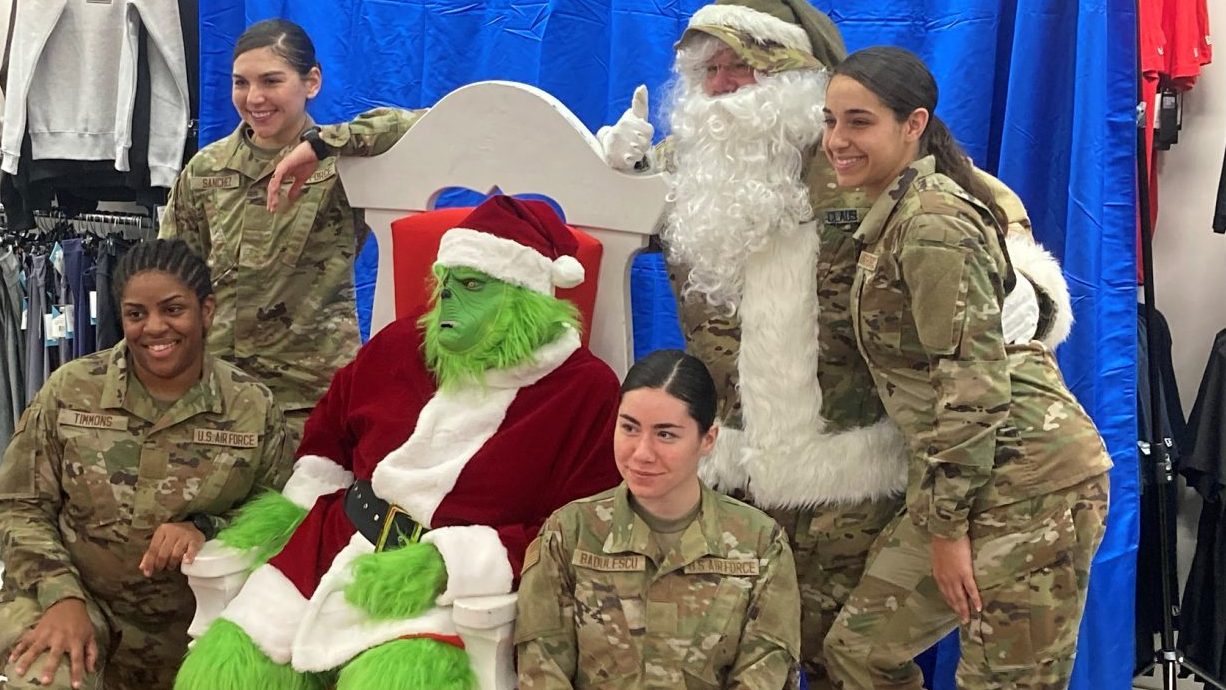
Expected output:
(952, 162)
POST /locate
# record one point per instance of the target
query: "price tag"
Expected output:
(49, 330)
(93, 308)
(70, 324)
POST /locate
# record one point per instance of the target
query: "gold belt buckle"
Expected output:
(402, 539)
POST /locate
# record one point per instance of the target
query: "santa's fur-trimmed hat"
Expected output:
(789, 25)
(516, 241)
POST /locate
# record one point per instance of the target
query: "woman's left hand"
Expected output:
(300, 163)
(951, 566)
(173, 543)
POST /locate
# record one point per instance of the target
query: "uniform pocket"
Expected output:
(228, 479)
(315, 192)
(714, 641)
(1029, 620)
(609, 615)
(97, 485)
(935, 277)
(1028, 582)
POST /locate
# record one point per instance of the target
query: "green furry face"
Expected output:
(468, 308)
(505, 325)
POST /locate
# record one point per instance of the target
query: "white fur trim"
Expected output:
(1045, 274)
(787, 454)
(723, 468)
(333, 631)
(760, 25)
(501, 258)
(268, 608)
(315, 476)
(866, 463)
(567, 272)
(452, 427)
(477, 562)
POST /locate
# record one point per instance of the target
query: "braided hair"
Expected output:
(173, 257)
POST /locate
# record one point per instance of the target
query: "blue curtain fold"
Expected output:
(1040, 91)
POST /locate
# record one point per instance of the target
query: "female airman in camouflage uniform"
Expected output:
(285, 295)
(1007, 490)
(120, 467)
(660, 582)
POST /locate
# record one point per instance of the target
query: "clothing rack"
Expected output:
(1159, 462)
(131, 226)
(55, 298)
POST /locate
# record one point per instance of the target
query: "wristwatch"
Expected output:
(203, 523)
(311, 136)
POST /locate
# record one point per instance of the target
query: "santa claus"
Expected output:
(423, 474)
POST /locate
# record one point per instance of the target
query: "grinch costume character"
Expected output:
(761, 251)
(423, 474)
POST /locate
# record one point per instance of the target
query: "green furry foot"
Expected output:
(402, 583)
(225, 658)
(264, 524)
(418, 664)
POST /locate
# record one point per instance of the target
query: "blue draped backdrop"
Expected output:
(1040, 91)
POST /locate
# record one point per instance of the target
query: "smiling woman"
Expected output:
(284, 266)
(1007, 486)
(723, 606)
(121, 467)
(165, 318)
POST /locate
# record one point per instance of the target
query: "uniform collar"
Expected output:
(631, 534)
(875, 220)
(204, 396)
(239, 154)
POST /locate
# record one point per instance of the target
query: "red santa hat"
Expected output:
(516, 241)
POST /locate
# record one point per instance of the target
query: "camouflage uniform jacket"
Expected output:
(840, 448)
(285, 295)
(94, 469)
(986, 427)
(601, 607)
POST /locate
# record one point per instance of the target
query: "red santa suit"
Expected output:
(482, 467)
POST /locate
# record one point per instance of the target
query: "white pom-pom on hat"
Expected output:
(567, 272)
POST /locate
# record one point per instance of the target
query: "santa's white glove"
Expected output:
(1020, 317)
(628, 140)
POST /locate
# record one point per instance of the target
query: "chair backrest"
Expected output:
(415, 241)
(519, 140)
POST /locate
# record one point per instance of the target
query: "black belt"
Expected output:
(385, 525)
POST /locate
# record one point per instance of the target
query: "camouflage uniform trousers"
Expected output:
(131, 655)
(1032, 565)
(830, 545)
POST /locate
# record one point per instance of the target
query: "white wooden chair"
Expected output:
(483, 136)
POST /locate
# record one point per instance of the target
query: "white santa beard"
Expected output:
(739, 162)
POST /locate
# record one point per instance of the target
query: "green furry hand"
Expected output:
(264, 524)
(403, 583)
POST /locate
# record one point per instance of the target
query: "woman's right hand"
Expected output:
(64, 628)
(300, 163)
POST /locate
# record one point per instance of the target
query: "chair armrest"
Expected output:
(218, 560)
(484, 613)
